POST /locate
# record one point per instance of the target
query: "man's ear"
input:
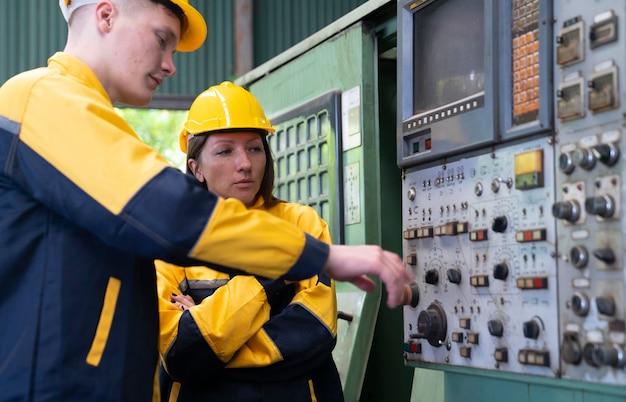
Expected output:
(105, 13)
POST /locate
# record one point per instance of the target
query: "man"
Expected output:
(85, 207)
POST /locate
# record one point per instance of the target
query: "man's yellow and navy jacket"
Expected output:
(250, 338)
(85, 208)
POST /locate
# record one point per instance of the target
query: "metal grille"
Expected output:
(307, 155)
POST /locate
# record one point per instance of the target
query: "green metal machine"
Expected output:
(507, 309)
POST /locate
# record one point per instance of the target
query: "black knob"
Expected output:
(567, 210)
(432, 277)
(606, 153)
(432, 325)
(579, 256)
(499, 224)
(589, 352)
(531, 329)
(566, 164)
(603, 206)
(501, 271)
(606, 355)
(571, 352)
(605, 255)
(605, 305)
(454, 275)
(495, 327)
(584, 158)
(414, 292)
(580, 304)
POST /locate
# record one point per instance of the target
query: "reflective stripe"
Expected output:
(156, 385)
(174, 392)
(312, 391)
(104, 324)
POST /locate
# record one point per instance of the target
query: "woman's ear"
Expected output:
(194, 166)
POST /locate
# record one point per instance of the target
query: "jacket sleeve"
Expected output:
(298, 334)
(110, 183)
(197, 343)
(301, 332)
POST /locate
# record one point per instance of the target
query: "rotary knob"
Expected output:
(499, 224)
(571, 352)
(454, 275)
(431, 277)
(495, 185)
(589, 352)
(608, 355)
(580, 304)
(603, 206)
(584, 158)
(411, 295)
(532, 329)
(432, 325)
(501, 271)
(566, 210)
(495, 327)
(579, 256)
(566, 164)
(605, 305)
(606, 153)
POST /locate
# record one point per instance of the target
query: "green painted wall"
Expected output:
(32, 30)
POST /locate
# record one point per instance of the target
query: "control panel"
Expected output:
(589, 203)
(518, 247)
(480, 238)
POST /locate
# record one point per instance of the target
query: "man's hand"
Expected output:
(352, 263)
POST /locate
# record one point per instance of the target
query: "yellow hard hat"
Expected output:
(194, 26)
(194, 29)
(224, 107)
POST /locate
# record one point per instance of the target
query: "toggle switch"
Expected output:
(605, 255)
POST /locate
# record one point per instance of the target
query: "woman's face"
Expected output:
(232, 164)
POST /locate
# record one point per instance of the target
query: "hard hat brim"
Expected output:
(195, 30)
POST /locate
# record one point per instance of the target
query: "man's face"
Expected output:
(144, 44)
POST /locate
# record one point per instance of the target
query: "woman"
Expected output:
(243, 337)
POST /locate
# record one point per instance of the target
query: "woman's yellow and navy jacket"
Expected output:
(249, 338)
(85, 209)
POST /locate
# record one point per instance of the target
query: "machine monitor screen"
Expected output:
(448, 42)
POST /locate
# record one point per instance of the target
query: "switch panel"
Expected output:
(492, 303)
(519, 244)
(589, 204)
